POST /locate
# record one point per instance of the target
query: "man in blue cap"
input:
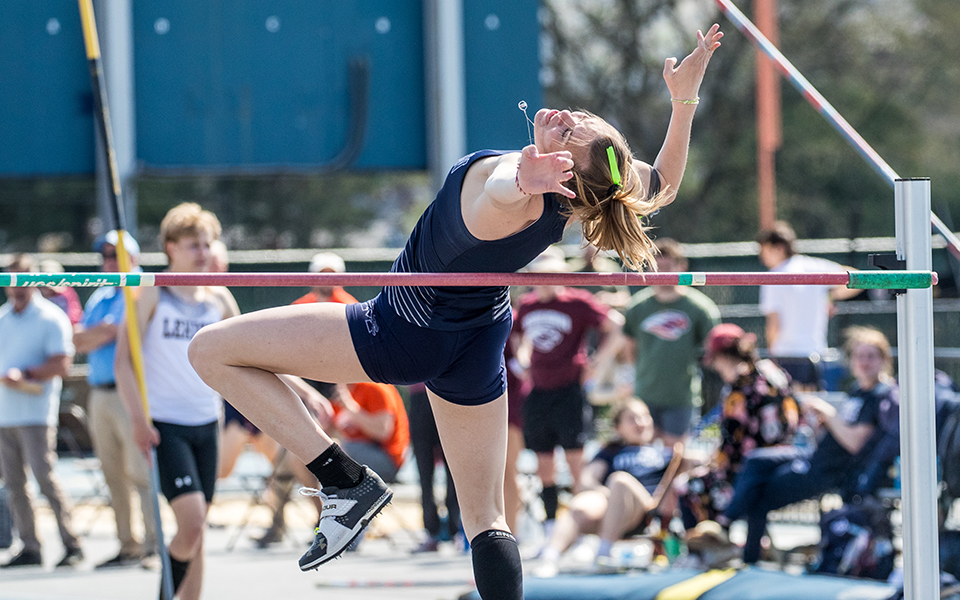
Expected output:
(124, 467)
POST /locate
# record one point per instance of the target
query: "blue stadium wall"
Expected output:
(258, 84)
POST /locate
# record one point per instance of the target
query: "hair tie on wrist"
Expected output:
(679, 101)
(516, 180)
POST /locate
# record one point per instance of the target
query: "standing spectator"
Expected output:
(184, 411)
(772, 478)
(517, 389)
(426, 451)
(124, 468)
(63, 296)
(668, 326)
(796, 315)
(556, 320)
(36, 349)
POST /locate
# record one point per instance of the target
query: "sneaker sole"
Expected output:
(356, 531)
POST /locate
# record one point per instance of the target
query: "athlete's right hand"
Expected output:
(146, 437)
(543, 173)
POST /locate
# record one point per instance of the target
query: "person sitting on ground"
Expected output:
(772, 478)
(757, 411)
(623, 485)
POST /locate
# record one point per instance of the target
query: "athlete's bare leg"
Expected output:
(240, 357)
(474, 440)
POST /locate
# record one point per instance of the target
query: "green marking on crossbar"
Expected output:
(76, 280)
(890, 280)
(685, 279)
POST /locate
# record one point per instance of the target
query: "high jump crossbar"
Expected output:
(851, 279)
(823, 106)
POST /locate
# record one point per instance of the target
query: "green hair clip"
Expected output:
(614, 169)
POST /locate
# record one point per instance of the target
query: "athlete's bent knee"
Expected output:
(202, 351)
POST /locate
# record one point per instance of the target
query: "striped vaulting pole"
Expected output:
(827, 110)
(102, 110)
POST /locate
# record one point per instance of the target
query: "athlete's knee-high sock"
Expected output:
(334, 468)
(496, 565)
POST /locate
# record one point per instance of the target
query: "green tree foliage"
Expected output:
(881, 63)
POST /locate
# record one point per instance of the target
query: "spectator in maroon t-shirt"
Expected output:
(556, 321)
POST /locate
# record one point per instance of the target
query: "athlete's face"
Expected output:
(191, 254)
(558, 130)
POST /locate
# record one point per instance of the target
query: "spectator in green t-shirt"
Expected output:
(668, 325)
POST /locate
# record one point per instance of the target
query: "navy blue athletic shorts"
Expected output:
(464, 367)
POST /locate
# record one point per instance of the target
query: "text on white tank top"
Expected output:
(177, 394)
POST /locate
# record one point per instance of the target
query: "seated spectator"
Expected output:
(622, 487)
(757, 412)
(371, 425)
(772, 478)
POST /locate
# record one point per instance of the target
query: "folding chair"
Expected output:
(279, 483)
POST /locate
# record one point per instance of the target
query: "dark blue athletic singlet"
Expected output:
(441, 243)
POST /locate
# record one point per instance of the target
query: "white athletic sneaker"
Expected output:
(346, 512)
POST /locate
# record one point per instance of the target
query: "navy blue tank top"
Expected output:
(441, 243)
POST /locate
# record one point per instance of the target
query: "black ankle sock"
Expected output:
(334, 468)
(178, 570)
(496, 566)
(550, 501)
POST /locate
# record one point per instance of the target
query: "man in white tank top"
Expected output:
(184, 411)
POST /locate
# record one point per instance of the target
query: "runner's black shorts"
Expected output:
(187, 458)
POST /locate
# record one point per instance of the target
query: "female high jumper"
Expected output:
(495, 212)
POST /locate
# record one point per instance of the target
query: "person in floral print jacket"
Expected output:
(758, 411)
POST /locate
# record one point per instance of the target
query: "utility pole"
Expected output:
(769, 129)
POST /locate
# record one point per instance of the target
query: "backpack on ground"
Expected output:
(856, 540)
